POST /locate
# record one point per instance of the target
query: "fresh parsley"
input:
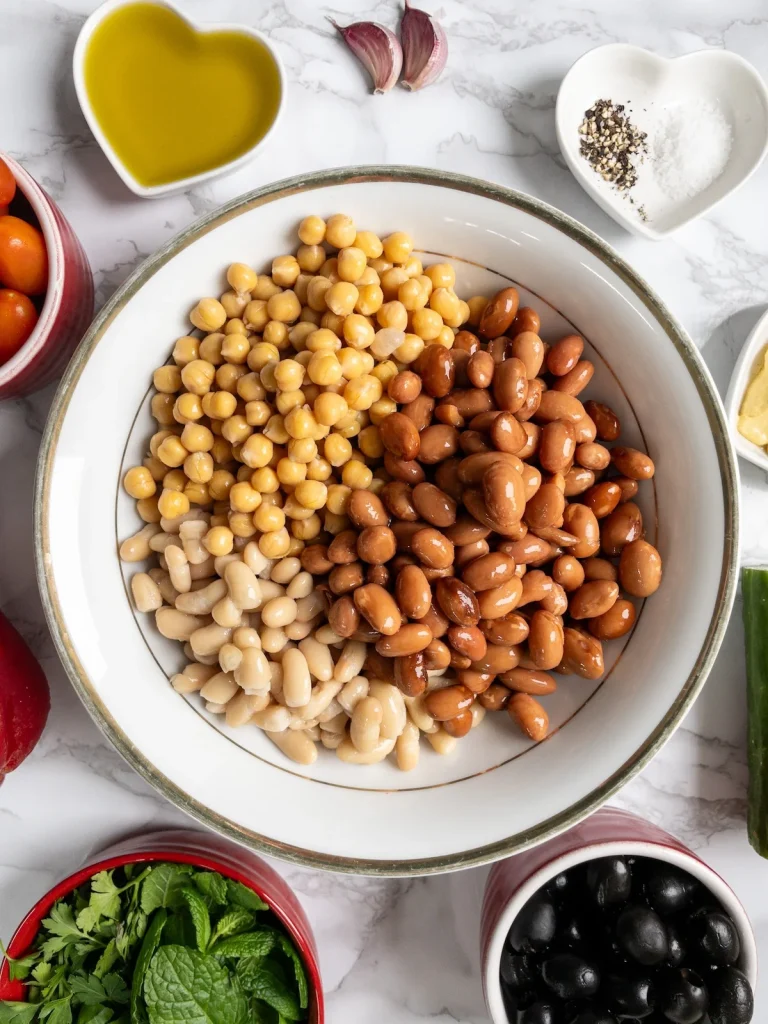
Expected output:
(160, 944)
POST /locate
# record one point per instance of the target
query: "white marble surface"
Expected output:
(400, 952)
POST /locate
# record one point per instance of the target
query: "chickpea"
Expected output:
(290, 473)
(426, 324)
(261, 354)
(221, 484)
(257, 413)
(174, 480)
(380, 264)
(275, 430)
(446, 337)
(197, 376)
(322, 340)
(324, 368)
(219, 405)
(476, 306)
(241, 524)
(367, 361)
(302, 449)
(319, 469)
(157, 439)
(235, 326)
(187, 408)
(337, 450)
(398, 247)
(370, 243)
(413, 267)
(445, 302)
(265, 481)
(411, 349)
(341, 298)
(369, 299)
(362, 392)
(352, 362)
(172, 452)
(284, 307)
(381, 409)
(138, 482)
(148, 510)
(289, 375)
(255, 315)
(197, 438)
(300, 422)
(233, 303)
(393, 314)
(199, 467)
(442, 275)
(210, 348)
(310, 258)
(167, 379)
(241, 278)
(172, 504)
(197, 492)
(369, 442)
(250, 388)
(208, 315)
(285, 270)
(312, 230)
(243, 498)
(265, 288)
(311, 494)
(368, 276)
(269, 518)
(340, 231)
(338, 499)
(306, 529)
(329, 408)
(185, 350)
(356, 475)
(156, 468)
(299, 333)
(351, 263)
(276, 332)
(391, 280)
(411, 294)
(162, 409)
(317, 289)
(358, 331)
(235, 348)
(287, 400)
(385, 371)
(236, 429)
(218, 541)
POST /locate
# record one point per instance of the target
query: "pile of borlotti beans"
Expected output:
(378, 510)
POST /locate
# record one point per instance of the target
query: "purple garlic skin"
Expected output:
(378, 50)
(425, 48)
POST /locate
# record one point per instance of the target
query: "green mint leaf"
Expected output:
(18, 1013)
(261, 1013)
(107, 960)
(198, 911)
(254, 945)
(186, 987)
(148, 949)
(242, 896)
(161, 886)
(87, 990)
(212, 887)
(298, 969)
(261, 981)
(234, 922)
(179, 931)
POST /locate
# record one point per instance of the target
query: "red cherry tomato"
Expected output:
(18, 317)
(7, 184)
(23, 259)
(3, 210)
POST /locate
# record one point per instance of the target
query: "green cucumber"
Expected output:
(754, 585)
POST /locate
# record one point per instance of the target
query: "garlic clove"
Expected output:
(425, 48)
(378, 50)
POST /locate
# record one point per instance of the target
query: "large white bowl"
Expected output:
(498, 793)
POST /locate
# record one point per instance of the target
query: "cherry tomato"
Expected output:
(23, 259)
(3, 210)
(18, 317)
(7, 184)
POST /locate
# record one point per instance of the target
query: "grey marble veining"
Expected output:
(403, 952)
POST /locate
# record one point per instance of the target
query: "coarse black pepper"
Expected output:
(612, 144)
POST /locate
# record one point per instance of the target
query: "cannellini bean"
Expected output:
(353, 692)
(244, 588)
(174, 525)
(307, 608)
(163, 580)
(322, 695)
(275, 679)
(136, 548)
(295, 745)
(313, 732)
(161, 541)
(243, 706)
(441, 742)
(221, 562)
(325, 635)
(331, 740)
(351, 661)
(336, 724)
(347, 751)
(279, 612)
(230, 657)
(176, 625)
(201, 602)
(246, 636)
(318, 657)
(300, 586)
(219, 688)
(183, 684)
(297, 682)
(209, 639)
(192, 534)
(274, 718)
(216, 709)
(226, 613)
(305, 726)
(203, 570)
(270, 590)
(392, 706)
(253, 671)
(298, 630)
(273, 640)
(478, 714)
(287, 646)
(146, 594)
(178, 568)
(201, 672)
(418, 714)
(284, 570)
(333, 709)
(254, 559)
(365, 727)
(407, 747)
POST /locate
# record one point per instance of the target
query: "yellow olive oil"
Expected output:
(174, 102)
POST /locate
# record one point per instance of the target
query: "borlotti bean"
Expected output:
(374, 510)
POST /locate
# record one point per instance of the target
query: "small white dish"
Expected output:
(648, 85)
(749, 362)
(181, 184)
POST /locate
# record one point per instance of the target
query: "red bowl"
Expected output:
(185, 846)
(609, 832)
(68, 303)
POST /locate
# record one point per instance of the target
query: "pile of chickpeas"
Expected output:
(378, 510)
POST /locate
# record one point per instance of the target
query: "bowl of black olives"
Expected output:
(595, 929)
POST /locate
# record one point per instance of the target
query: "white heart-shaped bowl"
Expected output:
(650, 84)
(182, 184)
(498, 792)
(749, 362)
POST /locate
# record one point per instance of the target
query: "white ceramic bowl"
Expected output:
(498, 793)
(182, 184)
(650, 84)
(749, 362)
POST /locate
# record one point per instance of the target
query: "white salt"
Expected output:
(690, 148)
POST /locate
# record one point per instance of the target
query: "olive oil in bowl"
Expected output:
(174, 102)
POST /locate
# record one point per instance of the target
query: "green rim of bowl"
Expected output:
(687, 693)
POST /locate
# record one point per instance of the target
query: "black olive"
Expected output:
(592, 1017)
(713, 935)
(642, 935)
(668, 889)
(684, 999)
(540, 1013)
(575, 931)
(516, 971)
(629, 995)
(569, 976)
(534, 927)
(609, 880)
(676, 945)
(509, 999)
(560, 886)
(730, 997)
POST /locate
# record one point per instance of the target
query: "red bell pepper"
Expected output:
(25, 699)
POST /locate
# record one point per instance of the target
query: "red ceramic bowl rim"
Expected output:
(41, 205)
(688, 861)
(29, 927)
